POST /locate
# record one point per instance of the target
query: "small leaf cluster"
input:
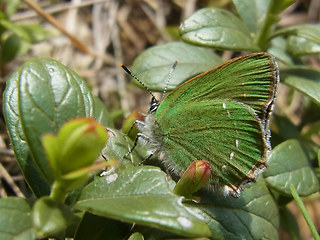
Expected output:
(132, 201)
(16, 38)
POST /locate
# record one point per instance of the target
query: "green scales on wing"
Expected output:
(220, 116)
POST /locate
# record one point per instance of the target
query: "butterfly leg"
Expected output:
(138, 123)
(110, 133)
(139, 135)
(147, 159)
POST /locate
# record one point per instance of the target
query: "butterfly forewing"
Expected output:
(251, 80)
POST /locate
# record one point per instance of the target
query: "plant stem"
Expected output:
(264, 34)
(58, 193)
(304, 212)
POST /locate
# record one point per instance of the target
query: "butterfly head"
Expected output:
(154, 102)
(154, 105)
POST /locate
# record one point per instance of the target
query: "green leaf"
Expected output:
(39, 98)
(11, 6)
(10, 48)
(136, 236)
(253, 13)
(313, 129)
(254, 215)
(304, 79)
(279, 51)
(101, 114)
(141, 195)
(299, 46)
(35, 32)
(285, 128)
(118, 148)
(50, 218)
(94, 227)
(289, 163)
(217, 28)
(32, 33)
(15, 219)
(307, 31)
(35, 179)
(152, 67)
(279, 5)
(275, 7)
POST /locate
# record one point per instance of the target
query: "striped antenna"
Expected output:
(168, 80)
(136, 78)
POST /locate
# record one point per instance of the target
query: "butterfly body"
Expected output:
(221, 116)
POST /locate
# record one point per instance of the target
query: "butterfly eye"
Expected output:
(154, 105)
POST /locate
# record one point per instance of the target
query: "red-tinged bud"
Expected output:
(195, 177)
(74, 150)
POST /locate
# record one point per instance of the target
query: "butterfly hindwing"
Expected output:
(225, 133)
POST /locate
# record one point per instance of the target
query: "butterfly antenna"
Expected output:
(168, 80)
(138, 80)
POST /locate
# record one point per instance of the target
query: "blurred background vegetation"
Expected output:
(93, 37)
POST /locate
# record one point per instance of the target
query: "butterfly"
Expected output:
(221, 116)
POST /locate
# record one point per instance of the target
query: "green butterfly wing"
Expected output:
(250, 79)
(221, 116)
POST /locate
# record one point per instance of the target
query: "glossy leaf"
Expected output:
(152, 66)
(15, 219)
(289, 163)
(39, 98)
(254, 215)
(303, 79)
(141, 195)
(217, 28)
(35, 179)
(300, 46)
